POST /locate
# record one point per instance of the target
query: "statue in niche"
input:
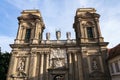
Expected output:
(21, 64)
(58, 35)
(48, 36)
(68, 34)
(95, 66)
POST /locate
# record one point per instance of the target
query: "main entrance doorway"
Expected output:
(59, 77)
(58, 74)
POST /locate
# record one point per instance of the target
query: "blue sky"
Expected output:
(59, 14)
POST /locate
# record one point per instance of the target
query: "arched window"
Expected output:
(89, 28)
(90, 32)
(27, 35)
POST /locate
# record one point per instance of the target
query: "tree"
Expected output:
(4, 64)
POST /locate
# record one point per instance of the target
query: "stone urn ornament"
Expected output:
(58, 35)
(68, 35)
(48, 36)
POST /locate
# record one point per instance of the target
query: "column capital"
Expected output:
(96, 19)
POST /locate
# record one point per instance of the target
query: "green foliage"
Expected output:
(4, 64)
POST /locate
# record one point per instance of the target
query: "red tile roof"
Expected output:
(115, 51)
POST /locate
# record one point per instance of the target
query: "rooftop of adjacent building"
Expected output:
(113, 52)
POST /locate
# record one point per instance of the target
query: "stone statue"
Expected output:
(58, 35)
(95, 64)
(68, 34)
(48, 36)
(21, 65)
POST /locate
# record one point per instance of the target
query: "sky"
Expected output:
(59, 15)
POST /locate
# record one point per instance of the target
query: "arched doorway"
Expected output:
(59, 77)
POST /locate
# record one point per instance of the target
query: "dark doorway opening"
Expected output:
(59, 77)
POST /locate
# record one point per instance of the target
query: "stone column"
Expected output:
(98, 27)
(101, 63)
(80, 69)
(32, 66)
(81, 29)
(37, 31)
(89, 64)
(19, 34)
(41, 68)
(13, 66)
(70, 66)
(94, 31)
(27, 64)
(76, 66)
(47, 66)
(23, 35)
(86, 35)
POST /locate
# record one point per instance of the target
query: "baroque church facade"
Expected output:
(82, 58)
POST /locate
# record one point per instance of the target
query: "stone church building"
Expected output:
(82, 58)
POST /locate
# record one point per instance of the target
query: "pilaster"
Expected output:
(41, 67)
(80, 69)
(32, 66)
(70, 73)
(76, 66)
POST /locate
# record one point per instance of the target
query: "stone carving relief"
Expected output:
(58, 58)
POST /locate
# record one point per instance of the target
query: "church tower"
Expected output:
(86, 26)
(23, 60)
(31, 27)
(91, 43)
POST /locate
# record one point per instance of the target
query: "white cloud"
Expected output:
(4, 43)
